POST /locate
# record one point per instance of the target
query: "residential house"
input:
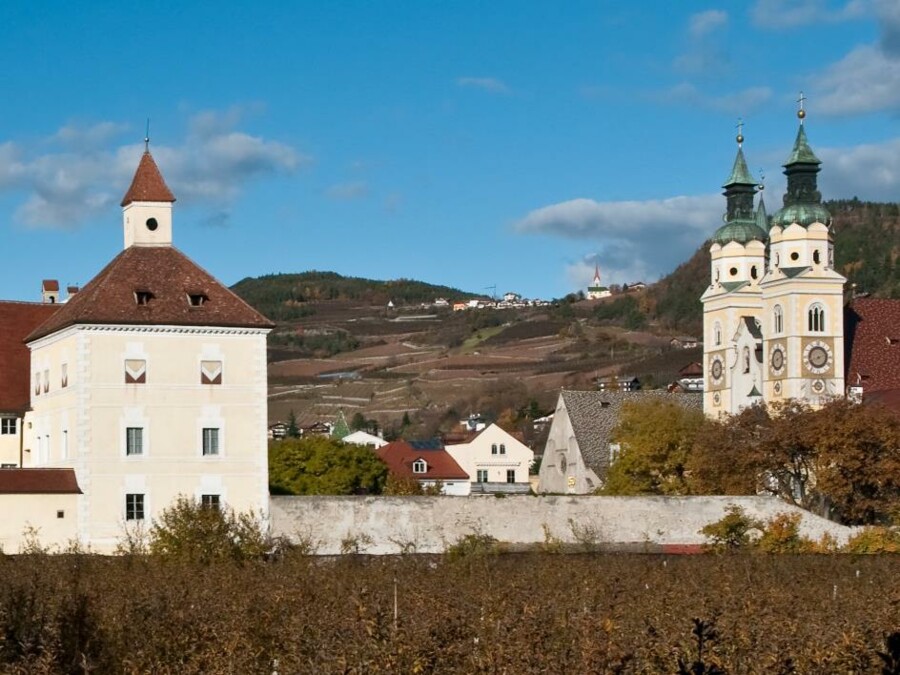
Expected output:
(277, 431)
(150, 382)
(684, 342)
(495, 461)
(428, 462)
(579, 452)
(690, 379)
(618, 383)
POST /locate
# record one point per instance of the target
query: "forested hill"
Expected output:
(867, 248)
(281, 296)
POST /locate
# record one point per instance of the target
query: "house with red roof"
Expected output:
(872, 338)
(428, 462)
(148, 383)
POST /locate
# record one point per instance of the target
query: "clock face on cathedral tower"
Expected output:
(716, 369)
(817, 357)
(776, 360)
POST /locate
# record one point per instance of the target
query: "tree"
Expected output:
(358, 421)
(859, 462)
(190, 531)
(292, 430)
(323, 466)
(655, 437)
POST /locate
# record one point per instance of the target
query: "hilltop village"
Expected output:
(154, 381)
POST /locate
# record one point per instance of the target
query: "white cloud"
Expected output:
(870, 172)
(614, 269)
(488, 84)
(738, 102)
(635, 238)
(703, 23)
(86, 175)
(345, 192)
(865, 80)
(780, 14)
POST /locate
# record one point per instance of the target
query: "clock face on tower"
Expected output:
(817, 357)
(715, 369)
(776, 360)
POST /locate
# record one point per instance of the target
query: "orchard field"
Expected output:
(512, 613)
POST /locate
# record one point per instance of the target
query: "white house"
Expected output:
(495, 461)
(150, 382)
(364, 438)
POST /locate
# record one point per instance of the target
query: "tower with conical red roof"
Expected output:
(147, 206)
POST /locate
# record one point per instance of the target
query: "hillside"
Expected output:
(283, 297)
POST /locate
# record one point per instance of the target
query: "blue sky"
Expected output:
(465, 143)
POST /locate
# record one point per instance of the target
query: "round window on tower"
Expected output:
(795, 256)
(733, 271)
(152, 224)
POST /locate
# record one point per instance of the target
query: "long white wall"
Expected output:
(429, 524)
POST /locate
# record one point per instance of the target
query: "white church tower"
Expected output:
(732, 304)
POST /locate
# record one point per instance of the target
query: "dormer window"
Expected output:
(419, 466)
(143, 297)
(197, 299)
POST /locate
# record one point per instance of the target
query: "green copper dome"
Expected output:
(741, 231)
(802, 214)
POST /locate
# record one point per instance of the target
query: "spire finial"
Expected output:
(740, 133)
(801, 113)
(762, 180)
(147, 137)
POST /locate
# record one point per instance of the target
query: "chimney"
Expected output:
(49, 291)
(70, 291)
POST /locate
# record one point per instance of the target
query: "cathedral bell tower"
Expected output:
(732, 304)
(802, 293)
(147, 206)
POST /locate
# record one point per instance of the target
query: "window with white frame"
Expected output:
(419, 466)
(134, 506)
(510, 475)
(816, 318)
(210, 441)
(778, 315)
(718, 334)
(493, 448)
(134, 441)
(482, 476)
(502, 449)
(210, 501)
(8, 426)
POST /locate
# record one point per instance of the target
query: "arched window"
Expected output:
(419, 466)
(746, 360)
(816, 257)
(753, 272)
(817, 318)
(502, 449)
(778, 315)
(717, 330)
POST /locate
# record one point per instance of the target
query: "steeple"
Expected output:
(802, 199)
(147, 206)
(596, 274)
(740, 188)
(762, 219)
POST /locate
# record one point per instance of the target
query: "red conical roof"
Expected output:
(148, 184)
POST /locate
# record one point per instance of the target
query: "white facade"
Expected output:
(493, 456)
(364, 438)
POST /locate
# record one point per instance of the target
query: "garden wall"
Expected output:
(383, 525)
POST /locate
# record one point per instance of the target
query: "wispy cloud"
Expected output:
(738, 102)
(488, 84)
(703, 23)
(870, 172)
(779, 14)
(634, 238)
(345, 192)
(867, 79)
(616, 267)
(80, 172)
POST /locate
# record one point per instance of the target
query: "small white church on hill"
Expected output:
(147, 384)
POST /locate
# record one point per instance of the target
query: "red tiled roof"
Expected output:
(38, 482)
(886, 398)
(50, 285)
(18, 319)
(148, 184)
(400, 455)
(872, 338)
(692, 370)
(170, 276)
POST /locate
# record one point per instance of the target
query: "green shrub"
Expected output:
(735, 531)
(874, 540)
(781, 534)
(472, 545)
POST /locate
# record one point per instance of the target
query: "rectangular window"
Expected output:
(8, 425)
(493, 448)
(510, 475)
(210, 441)
(502, 449)
(135, 371)
(64, 375)
(210, 372)
(134, 506)
(209, 501)
(482, 476)
(65, 444)
(46, 381)
(134, 441)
